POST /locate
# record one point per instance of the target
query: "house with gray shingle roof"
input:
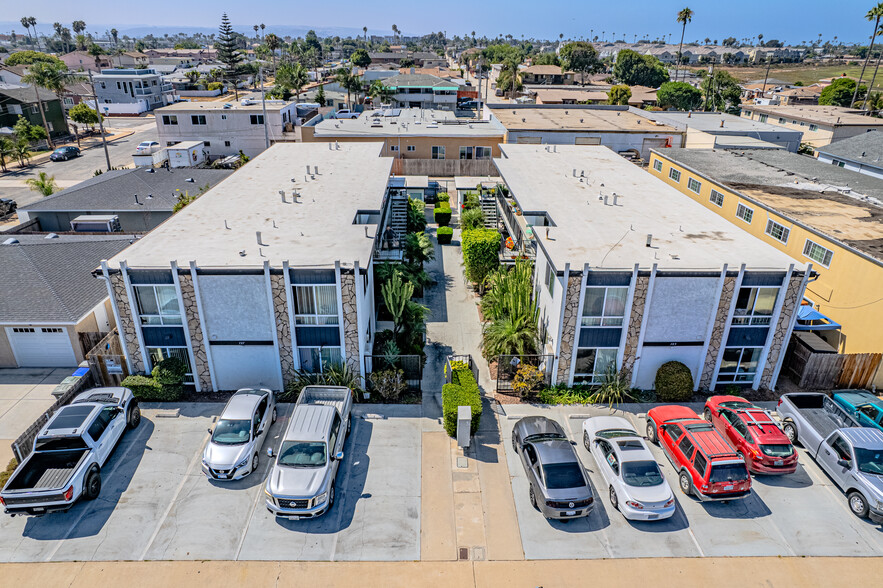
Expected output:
(862, 153)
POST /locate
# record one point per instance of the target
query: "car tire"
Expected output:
(331, 497)
(614, 501)
(92, 485)
(134, 418)
(586, 440)
(790, 431)
(273, 417)
(349, 427)
(685, 483)
(514, 445)
(858, 504)
(255, 462)
(706, 414)
(533, 499)
(651, 432)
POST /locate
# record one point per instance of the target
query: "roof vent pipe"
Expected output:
(136, 199)
(282, 193)
(649, 240)
(316, 170)
(574, 172)
(308, 170)
(257, 234)
(615, 198)
(722, 123)
(605, 199)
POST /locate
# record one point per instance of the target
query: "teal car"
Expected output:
(866, 408)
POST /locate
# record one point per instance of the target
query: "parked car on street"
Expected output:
(346, 113)
(851, 455)
(866, 408)
(302, 481)
(69, 452)
(468, 105)
(558, 485)
(636, 485)
(233, 451)
(706, 464)
(64, 153)
(754, 434)
(147, 147)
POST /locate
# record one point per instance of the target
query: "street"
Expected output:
(70, 173)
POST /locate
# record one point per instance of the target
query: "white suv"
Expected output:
(233, 451)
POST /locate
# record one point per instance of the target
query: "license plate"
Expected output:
(778, 462)
(730, 487)
(570, 513)
(222, 476)
(39, 509)
(293, 518)
(652, 517)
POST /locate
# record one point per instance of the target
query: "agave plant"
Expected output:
(335, 374)
(510, 335)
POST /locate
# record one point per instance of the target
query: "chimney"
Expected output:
(258, 235)
(649, 240)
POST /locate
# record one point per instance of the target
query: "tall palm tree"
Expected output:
(26, 23)
(33, 22)
(869, 102)
(395, 33)
(365, 32)
(49, 76)
(272, 42)
(684, 16)
(256, 35)
(43, 183)
(263, 26)
(115, 35)
(22, 151)
(874, 14)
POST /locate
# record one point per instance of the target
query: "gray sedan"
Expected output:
(558, 485)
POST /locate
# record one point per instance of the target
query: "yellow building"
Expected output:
(816, 213)
(820, 125)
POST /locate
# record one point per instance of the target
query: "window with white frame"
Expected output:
(197, 119)
(482, 153)
(438, 151)
(550, 279)
(316, 360)
(412, 148)
(674, 174)
(716, 198)
(591, 365)
(817, 253)
(777, 231)
(813, 127)
(744, 213)
(157, 354)
(315, 305)
(754, 306)
(657, 165)
(394, 148)
(604, 306)
(169, 119)
(157, 304)
(466, 153)
(739, 364)
(694, 185)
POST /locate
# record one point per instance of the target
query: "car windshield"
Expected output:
(728, 472)
(59, 444)
(641, 473)
(614, 433)
(229, 432)
(543, 437)
(777, 450)
(870, 461)
(302, 454)
(737, 405)
(563, 475)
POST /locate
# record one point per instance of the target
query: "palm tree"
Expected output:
(22, 151)
(96, 51)
(115, 34)
(365, 32)
(684, 16)
(869, 101)
(26, 23)
(263, 26)
(395, 33)
(272, 42)
(510, 335)
(43, 183)
(49, 76)
(874, 14)
(378, 90)
(256, 35)
(7, 151)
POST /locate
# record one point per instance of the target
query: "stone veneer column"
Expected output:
(636, 317)
(126, 328)
(350, 321)
(779, 344)
(717, 332)
(283, 326)
(197, 343)
(569, 327)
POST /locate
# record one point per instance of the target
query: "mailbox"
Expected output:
(464, 423)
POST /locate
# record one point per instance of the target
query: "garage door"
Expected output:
(245, 366)
(41, 346)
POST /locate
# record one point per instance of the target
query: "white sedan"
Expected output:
(146, 147)
(637, 487)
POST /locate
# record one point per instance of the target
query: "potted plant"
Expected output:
(366, 395)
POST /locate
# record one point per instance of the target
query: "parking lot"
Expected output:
(156, 503)
(799, 514)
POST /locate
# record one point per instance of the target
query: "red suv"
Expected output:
(753, 432)
(707, 466)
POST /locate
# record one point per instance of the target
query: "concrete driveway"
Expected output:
(25, 394)
(800, 514)
(156, 503)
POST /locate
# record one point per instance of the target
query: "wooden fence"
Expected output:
(107, 362)
(829, 371)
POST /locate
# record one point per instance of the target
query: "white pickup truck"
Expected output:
(301, 483)
(69, 453)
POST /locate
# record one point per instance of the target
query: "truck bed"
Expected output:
(46, 471)
(821, 413)
(337, 397)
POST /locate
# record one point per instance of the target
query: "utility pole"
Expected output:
(710, 83)
(264, 109)
(100, 120)
(769, 62)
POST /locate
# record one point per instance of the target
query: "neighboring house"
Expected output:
(48, 297)
(82, 61)
(576, 95)
(808, 95)
(74, 93)
(547, 75)
(862, 153)
(422, 91)
(131, 91)
(629, 275)
(815, 212)
(140, 198)
(249, 286)
(442, 144)
(131, 59)
(11, 75)
(709, 130)
(202, 55)
(820, 124)
(22, 101)
(227, 128)
(420, 58)
(642, 96)
(612, 126)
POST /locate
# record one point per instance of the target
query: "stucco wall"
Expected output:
(236, 308)
(667, 320)
(717, 331)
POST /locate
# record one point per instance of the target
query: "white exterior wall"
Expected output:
(236, 308)
(666, 319)
(549, 304)
(876, 172)
(615, 141)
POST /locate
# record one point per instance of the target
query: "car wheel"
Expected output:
(790, 432)
(514, 445)
(273, 417)
(255, 462)
(706, 414)
(533, 499)
(586, 439)
(134, 416)
(331, 496)
(651, 432)
(858, 505)
(614, 501)
(685, 483)
(92, 487)
(349, 426)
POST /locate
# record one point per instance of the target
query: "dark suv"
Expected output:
(64, 153)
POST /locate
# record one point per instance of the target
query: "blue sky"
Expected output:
(789, 20)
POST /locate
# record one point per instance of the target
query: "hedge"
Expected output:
(445, 234)
(674, 382)
(146, 389)
(442, 216)
(462, 391)
(481, 251)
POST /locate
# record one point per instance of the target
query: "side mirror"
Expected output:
(269, 452)
(844, 464)
(338, 456)
(210, 431)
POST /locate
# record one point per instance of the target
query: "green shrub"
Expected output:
(389, 384)
(5, 474)
(443, 197)
(674, 382)
(472, 218)
(442, 216)
(561, 394)
(147, 389)
(481, 250)
(471, 201)
(334, 374)
(170, 372)
(445, 234)
(214, 86)
(462, 391)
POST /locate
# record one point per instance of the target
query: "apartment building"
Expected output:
(422, 91)
(131, 91)
(269, 272)
(820, 124)
(226, 128)
(547, 75)
(631, 274)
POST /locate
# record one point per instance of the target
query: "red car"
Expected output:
(753, 432)
(707, 466)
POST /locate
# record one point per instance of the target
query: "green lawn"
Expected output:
(807, 74)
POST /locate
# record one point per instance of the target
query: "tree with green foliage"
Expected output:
(273, 42)
(841, 92)
(83, 115)
(320, 96)
(30, 58)
(619, 95)
(292, 77)
(679, 95)
(27, 132)
(96, 52)
(7, 151)
(633, 69)
(580, 57)
(546, 59)
(684, 16)
(43, 183)
(228, 51)
(481, 250)
(397, 294)
(22, 151)
(509, 78)
(360, 58)
(348, 81)
(49, 76)
(380, 91)
(723, 91)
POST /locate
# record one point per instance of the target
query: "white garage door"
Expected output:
(41, 346)
(245, 366)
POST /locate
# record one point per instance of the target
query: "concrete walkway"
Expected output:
(25, 394)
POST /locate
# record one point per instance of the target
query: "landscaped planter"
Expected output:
(444, 235)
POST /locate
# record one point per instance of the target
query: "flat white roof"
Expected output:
(409, 122)
(315, 232)
(471, 182)
(686, 236)
(185, 145)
